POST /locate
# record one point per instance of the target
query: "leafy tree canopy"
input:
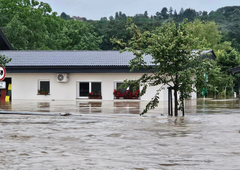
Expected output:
(175, 60)
(30, 25)
(4, 60)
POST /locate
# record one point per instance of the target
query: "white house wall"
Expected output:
(25, 85)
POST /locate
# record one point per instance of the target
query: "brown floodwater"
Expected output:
(111, 135)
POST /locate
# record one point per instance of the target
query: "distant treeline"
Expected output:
(228, 19)
(31, 25)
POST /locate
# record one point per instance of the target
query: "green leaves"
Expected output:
(207, 32)
(174, 59)
(80, 36)
(4, 60)
(30, 25)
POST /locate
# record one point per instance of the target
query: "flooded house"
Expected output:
(72, 75)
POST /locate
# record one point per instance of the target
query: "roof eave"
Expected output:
(10, 47)
(72, 69)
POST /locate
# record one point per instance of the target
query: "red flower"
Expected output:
(127, 94)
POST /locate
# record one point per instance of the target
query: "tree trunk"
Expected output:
(239, 89)
(175, 102)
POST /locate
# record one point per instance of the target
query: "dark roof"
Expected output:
(72, 61)
(235, 70)
(70, 58)
(207, 54)
(74, 58)
(4, 43)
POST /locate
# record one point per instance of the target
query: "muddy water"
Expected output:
(111, 135)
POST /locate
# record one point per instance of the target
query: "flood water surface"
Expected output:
(113, 136)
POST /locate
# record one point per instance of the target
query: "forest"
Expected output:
(32, 25)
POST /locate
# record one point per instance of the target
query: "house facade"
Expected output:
(71, 75)
(27, 85)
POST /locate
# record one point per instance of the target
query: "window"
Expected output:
(118, 84)
(126, 93)
(122, 89)
(44, 87)
(89, 87)
(84, 89)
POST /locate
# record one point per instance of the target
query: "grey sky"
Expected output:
(95, 9)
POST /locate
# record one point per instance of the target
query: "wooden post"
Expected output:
(169, 104)
(176, 104)
(239, 89)
(183, 114)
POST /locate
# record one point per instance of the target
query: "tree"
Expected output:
(111, 18)
(170, 11)
(30, 14)
(31, 25)
(164, 13)
(158, 15)
(146, 14)
(65, 16)
(80, 36)
(225, 61)
(190, 14)
(120, 13)
(234, 34)
(228, 60)
(17, 33)
(207, 31)
(175, 15)
(173, 61)
(220, 79)
(204, 13)
(103, 19)
(181, 12)
(4, 60)
(116, 15)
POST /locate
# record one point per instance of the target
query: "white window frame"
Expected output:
(39, 80)
(90, 87)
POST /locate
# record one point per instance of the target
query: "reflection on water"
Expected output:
(83, 104)
(209, 106)
(126, 107)
(43, 104)
(95, 104)
(127, 104)
(117, 107)
(192, 107)
(90, 107)
(5, 105)
(43, 107)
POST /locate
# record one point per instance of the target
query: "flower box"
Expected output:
(95, 97)
(126, 95)
(42, 92)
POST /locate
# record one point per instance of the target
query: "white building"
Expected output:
(70, 75)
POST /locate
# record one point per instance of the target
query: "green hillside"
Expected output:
(228, 19)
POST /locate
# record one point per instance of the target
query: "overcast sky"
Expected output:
(95, 9)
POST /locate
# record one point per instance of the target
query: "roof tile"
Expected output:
(70, 58)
